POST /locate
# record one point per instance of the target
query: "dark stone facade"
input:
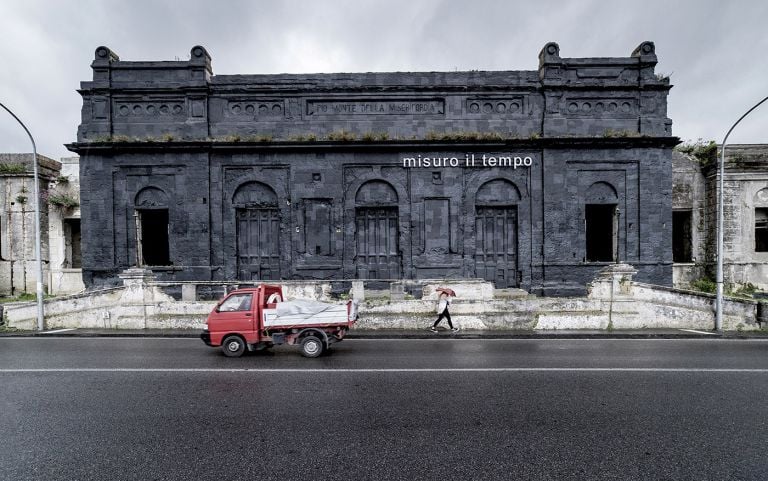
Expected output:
(302, 176)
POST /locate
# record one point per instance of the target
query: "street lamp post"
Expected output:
(719, 279)
(39, 284)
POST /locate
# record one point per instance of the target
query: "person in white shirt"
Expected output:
(443, 302)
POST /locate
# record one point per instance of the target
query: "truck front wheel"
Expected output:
(311, 347)
(233, 346)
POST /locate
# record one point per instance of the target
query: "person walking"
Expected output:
(443, 302)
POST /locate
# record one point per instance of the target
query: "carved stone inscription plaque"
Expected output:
(376, 107)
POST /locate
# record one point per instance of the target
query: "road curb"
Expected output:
(534, 336)
(426, 335)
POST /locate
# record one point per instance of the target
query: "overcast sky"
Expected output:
(715, 51)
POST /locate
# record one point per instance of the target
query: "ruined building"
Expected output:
(301, 176)
(694, 203)
(59, 225)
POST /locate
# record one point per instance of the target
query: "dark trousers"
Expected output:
(445, 314)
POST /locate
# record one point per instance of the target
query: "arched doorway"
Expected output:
(601, 226)
(377, 251)
(152, 227)
(258, 232)
(496, 233)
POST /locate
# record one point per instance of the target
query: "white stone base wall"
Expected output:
(614, 302)
(66, 281)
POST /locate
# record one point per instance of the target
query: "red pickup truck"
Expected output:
(257, 318)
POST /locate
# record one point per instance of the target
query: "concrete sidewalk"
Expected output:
(425, 334)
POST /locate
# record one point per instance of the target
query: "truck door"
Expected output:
(235, 314)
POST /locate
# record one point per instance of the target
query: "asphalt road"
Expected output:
(173, 409)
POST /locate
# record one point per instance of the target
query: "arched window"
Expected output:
(254, 194)
(761, 220)
(151, 198)
(376, 192)
(497, 192)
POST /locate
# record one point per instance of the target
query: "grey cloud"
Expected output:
(714, 50)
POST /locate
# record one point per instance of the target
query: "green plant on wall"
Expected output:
(744, 291)
(12, 168)
(703, 151)
(63, 201)
(341, 136)
(704, 284)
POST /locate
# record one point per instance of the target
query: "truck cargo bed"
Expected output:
(305, 313)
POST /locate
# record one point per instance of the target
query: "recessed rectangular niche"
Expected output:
(317, 227)
(316, 177)
(99, 108)
(198, 108)
(437, 222)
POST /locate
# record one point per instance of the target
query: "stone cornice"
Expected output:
(85, 148)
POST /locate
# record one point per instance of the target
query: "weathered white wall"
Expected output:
(128, 307)
(614, 302)
(18, 268)
(63, 278)
(689, 193)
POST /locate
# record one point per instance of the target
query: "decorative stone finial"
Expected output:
(200, 61)
(104, 53)
(551, 48)
(645, 48)
(549, 54)
(199, 53)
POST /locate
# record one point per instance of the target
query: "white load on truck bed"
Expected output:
(303, 312)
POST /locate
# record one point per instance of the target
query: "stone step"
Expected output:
(510, 293)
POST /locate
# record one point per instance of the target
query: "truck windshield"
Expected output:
(237, 302)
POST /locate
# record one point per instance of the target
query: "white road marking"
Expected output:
(58, 330)
(389, 339)
(700, 332)
(555, 338)
(435, 338)
(393, 370)
(97, 338)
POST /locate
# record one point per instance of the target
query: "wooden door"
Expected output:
(496, 245)
(376, 239)
(258, 244)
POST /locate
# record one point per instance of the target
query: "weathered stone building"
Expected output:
(333, 176)
(18, 272)
(59, 225)
(66, 275)
(745, 246)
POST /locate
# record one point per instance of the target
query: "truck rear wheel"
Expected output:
(233, 346)
(311, 347)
